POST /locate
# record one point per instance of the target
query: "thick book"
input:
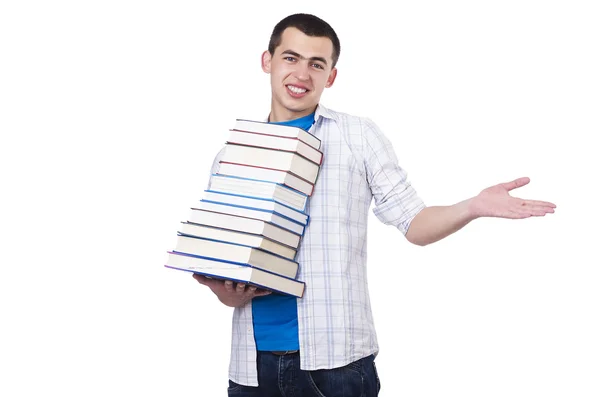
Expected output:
(272, 159)
(247, 225)
(237, 237)
(236, 272)
(275, 142)
(259, 188)
(256, 213)
(249, 201)
(277, 130)
(282, 177)
(240, 254)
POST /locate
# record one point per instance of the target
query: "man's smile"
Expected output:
(296, 91)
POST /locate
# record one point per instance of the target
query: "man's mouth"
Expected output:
(296, 90)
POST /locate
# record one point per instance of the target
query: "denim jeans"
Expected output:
(281, 376)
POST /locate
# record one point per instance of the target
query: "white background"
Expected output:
(111, 113)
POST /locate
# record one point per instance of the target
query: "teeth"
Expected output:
(296, 90)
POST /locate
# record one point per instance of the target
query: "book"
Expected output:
(256, 202)
(247, 225)
(277, 130)
(237, 237)
(275, 142)
(282, 177)
(234, 253)
(256, 213)
(272, 159)
(236, 272)
(259, 188)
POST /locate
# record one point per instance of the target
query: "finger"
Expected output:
(200, 278)
(540, 203)
(533, 206)
(543, 208)
(516, 183)
(250, 290)
(253, 291)
(240, 288)
(228, 285)
(534, 211)
(541, 211)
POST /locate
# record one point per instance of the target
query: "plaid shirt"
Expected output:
(334, 316)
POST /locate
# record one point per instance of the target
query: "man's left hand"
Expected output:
(495, 201)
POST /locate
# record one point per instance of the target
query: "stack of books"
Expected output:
(250, 222)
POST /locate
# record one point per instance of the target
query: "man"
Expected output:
(324, 344)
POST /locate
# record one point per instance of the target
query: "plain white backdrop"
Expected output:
(111, 113)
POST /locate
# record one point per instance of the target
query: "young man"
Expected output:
(324, 344)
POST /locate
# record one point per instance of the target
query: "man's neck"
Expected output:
(279, 115)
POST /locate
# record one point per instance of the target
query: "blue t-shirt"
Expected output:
(276, 316)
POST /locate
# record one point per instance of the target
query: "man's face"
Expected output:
(300, 69)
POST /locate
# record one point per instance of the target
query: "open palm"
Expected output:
(495, 201)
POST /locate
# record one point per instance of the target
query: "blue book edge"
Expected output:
(242, 232)
(271, 182)
(263, 210)
(256, 219)
(307, 216)
(241, 245)
(238, 281)
(174, 252)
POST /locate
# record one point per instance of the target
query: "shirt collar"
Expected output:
(324, 112)
(321, 111)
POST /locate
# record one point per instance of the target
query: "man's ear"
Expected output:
(266, 62)
(331, 78)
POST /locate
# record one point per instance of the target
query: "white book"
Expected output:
(277, 176)
(247, 225)
(278, 130)
(272, 159)
(238, 237)
(239, 273)
(264, 215)
(256, 202)
(239, 254)
(259, 188)
(275, 142)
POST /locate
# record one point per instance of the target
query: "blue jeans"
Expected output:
(281, 376)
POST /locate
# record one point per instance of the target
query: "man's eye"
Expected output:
(318, 66)
(291, 59)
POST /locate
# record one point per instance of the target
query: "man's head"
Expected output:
(301, 58)
(310, 25)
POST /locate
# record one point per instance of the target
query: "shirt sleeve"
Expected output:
(395, 201)
(214, 169)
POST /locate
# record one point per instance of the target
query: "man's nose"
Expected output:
(302, 70)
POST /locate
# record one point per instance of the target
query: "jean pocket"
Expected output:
(233, 388)
(345, 381)
(376, 377)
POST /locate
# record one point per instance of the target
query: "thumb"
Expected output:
(519, 182)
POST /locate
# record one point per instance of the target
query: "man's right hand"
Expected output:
(228, 294)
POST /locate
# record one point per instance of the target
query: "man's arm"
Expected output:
(432, 224)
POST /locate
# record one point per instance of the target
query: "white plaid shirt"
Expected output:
(334, 316)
